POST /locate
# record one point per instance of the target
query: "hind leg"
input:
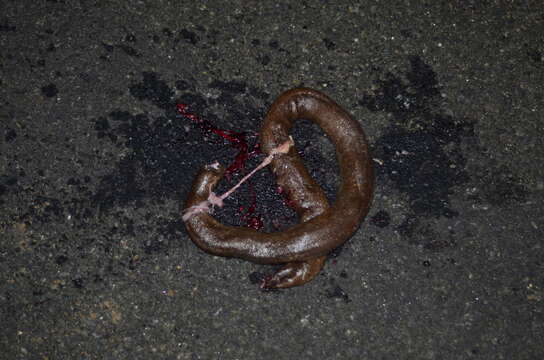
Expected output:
(294, 274)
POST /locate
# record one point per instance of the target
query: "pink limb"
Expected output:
(215, 200)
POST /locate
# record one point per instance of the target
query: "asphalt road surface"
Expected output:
(95, 164)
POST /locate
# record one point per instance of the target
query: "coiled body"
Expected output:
(322, 228)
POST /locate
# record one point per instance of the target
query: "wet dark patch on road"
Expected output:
(420, 152)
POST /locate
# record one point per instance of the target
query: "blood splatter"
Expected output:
(249, 215)
(239, 141)
(287, 201)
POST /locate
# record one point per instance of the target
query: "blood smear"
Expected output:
(237, 140)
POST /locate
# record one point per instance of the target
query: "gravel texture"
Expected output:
(95, 164)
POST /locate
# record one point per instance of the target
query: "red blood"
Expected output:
(285, 195)
(250, 217)
(237, 140)
(255, 222)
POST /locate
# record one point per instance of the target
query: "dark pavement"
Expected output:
(95, 164)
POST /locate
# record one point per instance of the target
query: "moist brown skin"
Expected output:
(303, 247)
